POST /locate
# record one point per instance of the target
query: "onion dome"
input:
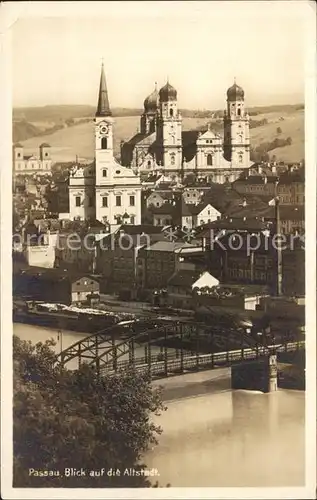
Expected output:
(168, 93)
(151, 102)
(235, 93)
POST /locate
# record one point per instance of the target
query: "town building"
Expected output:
(117, 254)
(289, 186)
(105, 190)
(32, 164)
(157, 263)
(162, 145)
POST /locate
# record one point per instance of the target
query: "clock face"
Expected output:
(103, 129)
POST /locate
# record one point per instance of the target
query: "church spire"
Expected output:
(103, 108)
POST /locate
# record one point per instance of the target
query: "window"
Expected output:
(104, 143)
(209, 159)
(171, 112)
(132, 219)
(240, 158)
(19, 155)
(239, 112)
(157, 204)
(117, 172)
(105, 201)
(90, 201)
(77, 201)
(172, 159)
(118, 201)
(149, 163)
(104, 173)
(132, 201)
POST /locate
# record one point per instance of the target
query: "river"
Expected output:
(215, 437)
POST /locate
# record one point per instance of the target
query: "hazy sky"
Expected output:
(200, 46)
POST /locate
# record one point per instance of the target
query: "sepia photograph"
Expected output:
(157, 179)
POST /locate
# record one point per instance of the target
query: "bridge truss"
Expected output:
(163, 348)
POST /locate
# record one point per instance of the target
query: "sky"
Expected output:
(199, 46)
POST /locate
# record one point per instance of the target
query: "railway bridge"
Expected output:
(166, 348)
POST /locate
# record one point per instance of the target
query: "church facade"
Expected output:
(162, 145)
(106, 190)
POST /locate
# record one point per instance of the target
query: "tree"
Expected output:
(75, 419)
(278, 130)
(289, 141)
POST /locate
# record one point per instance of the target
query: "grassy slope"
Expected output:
(79, 139)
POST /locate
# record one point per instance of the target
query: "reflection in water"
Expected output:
(232, 438)
(213, 436)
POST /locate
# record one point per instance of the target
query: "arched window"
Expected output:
(239, 112)
(240, 158)
(172, 159)
(209, 159)
(104, 143)
(149, 163)
(171, 112)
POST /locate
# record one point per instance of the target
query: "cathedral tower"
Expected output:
(169, 129)
(236, 129)
(149, 116)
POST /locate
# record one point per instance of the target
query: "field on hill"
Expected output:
(78, 140)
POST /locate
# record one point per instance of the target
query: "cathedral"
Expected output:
(111, 192)
(162, 145)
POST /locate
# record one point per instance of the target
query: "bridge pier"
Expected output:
(256, 375)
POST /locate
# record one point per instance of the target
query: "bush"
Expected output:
(278, 130)
(75, 419)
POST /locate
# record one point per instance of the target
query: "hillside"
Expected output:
(78, 139)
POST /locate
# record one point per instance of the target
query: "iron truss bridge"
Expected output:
(165, 348)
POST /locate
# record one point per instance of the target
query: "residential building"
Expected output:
(157, 263)
(117, 254)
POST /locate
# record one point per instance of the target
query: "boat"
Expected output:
(65, 317)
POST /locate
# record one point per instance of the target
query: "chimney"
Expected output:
(279, 270)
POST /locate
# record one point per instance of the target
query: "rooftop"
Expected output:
(168, 246)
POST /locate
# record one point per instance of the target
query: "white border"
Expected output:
(9, 13)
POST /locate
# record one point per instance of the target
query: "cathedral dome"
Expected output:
(151, 102)
(235, 93)
(168, 93)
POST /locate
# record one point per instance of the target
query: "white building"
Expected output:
(32, 164)
(106, 190)
(162, 145)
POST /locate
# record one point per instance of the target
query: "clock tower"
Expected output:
(103, 132)
(169, 130)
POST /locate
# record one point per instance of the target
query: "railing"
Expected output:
(177, 364)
